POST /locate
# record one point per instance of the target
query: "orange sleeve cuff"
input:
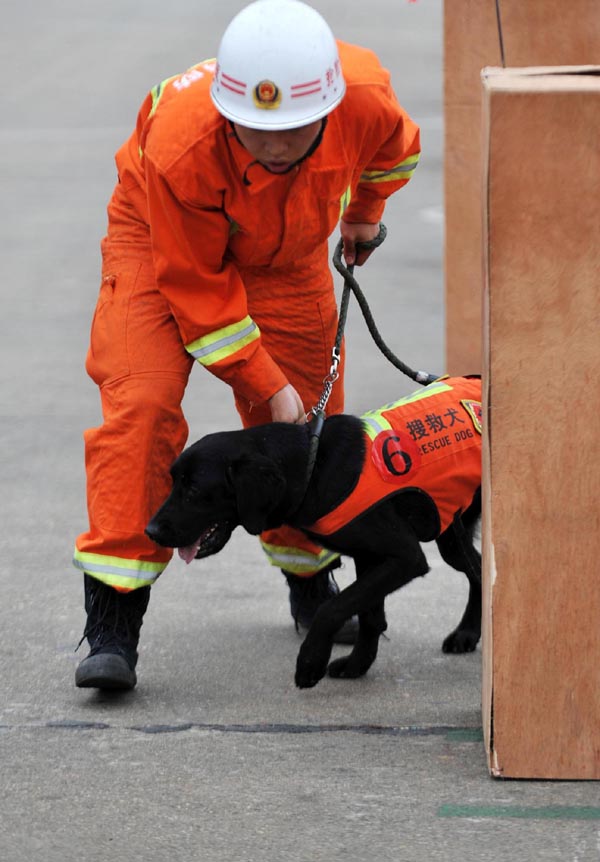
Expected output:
(365, 209)
(255, 376)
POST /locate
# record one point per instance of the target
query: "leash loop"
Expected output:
(316, 416)
(351, 284)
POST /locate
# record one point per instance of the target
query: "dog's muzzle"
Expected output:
(209, 542)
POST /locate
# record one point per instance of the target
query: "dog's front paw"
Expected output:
(351, 666)
(308, 676)
(461, 641)
(311, 666)
(341, 668)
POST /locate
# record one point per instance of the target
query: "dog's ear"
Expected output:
(259, 487)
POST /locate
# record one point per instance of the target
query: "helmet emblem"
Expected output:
(267, 95)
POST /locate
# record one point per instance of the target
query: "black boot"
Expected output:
(308, 593)
(113, 630)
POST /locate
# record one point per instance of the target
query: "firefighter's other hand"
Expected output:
(357, 233)
(286, 406)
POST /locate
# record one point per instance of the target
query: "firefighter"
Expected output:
(216, 253)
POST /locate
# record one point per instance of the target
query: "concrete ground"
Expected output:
(215, 755)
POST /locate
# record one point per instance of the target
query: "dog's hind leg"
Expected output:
(457, 550)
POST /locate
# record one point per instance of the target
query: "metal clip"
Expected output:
(336, 358)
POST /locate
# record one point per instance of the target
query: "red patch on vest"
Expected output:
(395, 456)
(474, 410)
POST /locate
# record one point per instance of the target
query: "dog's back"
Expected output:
(429, 441)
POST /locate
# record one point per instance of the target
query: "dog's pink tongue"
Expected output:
(189, 553)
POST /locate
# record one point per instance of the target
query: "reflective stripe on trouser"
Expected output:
(300, 561)
(303, 352)
(118, 572)
(139, 362)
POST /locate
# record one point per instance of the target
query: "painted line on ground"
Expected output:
(521, 812)
(449, 733)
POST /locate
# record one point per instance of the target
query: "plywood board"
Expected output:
(541, 534)
(534, 33)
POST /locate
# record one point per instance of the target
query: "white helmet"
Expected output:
(278, 67)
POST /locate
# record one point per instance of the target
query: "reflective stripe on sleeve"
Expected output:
(402, 171)
(223, 343)
(296, 560)
(181, 81)
(345, 201)
(157, 91)
(118, 571)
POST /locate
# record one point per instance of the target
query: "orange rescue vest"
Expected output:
(431, 441)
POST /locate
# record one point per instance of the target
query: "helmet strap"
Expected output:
(315, 144)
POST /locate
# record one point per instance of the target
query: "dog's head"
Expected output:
(220, 482)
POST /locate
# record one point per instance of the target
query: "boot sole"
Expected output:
(106, 671)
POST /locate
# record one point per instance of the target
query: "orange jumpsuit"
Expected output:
(430, 440)
(210, 257)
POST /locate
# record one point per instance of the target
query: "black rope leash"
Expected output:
(317, 413)
(352, 286)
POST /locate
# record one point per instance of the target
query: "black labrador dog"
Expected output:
(379, 486)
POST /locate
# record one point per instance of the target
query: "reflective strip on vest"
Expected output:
(373, 420)
(298, 561)
(403, 171)
(223, 343)
(118, 571)
(374, 424)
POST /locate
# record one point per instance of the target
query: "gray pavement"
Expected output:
(216, 756)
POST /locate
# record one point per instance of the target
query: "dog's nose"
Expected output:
(153, 532)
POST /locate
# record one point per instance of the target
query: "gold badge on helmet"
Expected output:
(267, 95)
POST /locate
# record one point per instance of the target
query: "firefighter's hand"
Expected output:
(286, 406)
(357, 233)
